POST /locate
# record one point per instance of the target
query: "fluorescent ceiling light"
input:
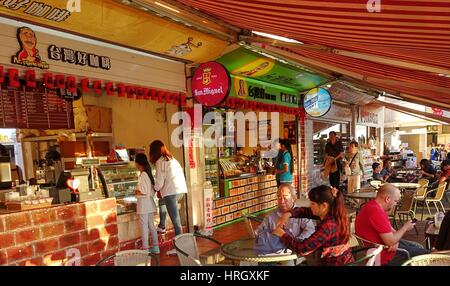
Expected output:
(276, 37)
(167, 7)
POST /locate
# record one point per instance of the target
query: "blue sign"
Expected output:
(317, 102)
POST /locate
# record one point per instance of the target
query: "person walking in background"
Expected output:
(335, 152)
(332, 233)
(146, 206)
(171, 184)
(285, 167)
(354, 160)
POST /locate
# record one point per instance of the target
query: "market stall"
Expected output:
(262, 105)
(74, 107)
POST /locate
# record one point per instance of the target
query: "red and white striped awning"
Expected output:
(403, 49)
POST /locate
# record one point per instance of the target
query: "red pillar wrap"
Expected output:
(120, 89)
(97, 85)
(109, 87)
(13, 75)
(30, 78)
(2, 77)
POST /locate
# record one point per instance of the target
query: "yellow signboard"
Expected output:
(113, 22)
(256, 68)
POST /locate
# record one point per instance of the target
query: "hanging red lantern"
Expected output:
(161, 96)
(60, 81)
(131, 91)
(85, 85)
(30, 78)
(232, 102)
(97, 85)
(109, 87)
(13, 75)
(154, 94)
(168, 97)
(71, 84)
(120, 89)
(139, 93)
(146, 93)
(251, 105)
(183, 99)
(2, 77)
(175, 98)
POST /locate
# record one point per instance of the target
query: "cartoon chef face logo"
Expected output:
(27, 40)
(28, 54)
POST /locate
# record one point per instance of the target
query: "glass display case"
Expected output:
(212, 169)
(121, 180)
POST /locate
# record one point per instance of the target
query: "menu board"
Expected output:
(34, 108)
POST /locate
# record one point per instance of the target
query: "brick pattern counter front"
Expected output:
(75, 234)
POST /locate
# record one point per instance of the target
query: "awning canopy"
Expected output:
(242, 62)
(403, 49)
(118, 23)
(412, 112)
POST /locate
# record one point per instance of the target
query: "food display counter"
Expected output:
(121, 180)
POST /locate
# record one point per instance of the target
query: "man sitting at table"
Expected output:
(376, 167)
(300, 228)
(372, 224)
(388, 173)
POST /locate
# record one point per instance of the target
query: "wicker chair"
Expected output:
(187, 250)
(405, 208)
(440, 191)
(367, 243)
(429, 260)
(248, 224)
(421, 192)
(370, 257)
(134, 257)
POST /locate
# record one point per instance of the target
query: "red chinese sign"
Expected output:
(210, 84)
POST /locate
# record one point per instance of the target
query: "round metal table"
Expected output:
(244, 250)
(363, 195)
(404, 186)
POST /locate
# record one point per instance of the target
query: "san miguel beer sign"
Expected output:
(210, 84)
(28, 55)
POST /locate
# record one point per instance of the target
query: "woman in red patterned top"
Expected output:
(332, 233)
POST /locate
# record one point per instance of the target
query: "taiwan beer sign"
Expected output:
(210, 84)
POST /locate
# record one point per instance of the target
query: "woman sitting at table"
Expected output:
(428, 171)
(332, 233)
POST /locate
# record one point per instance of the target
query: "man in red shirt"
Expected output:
(372, 223)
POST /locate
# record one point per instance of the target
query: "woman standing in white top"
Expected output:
(171, 184)
(146, 206)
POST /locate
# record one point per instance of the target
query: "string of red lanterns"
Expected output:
(87, 85)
